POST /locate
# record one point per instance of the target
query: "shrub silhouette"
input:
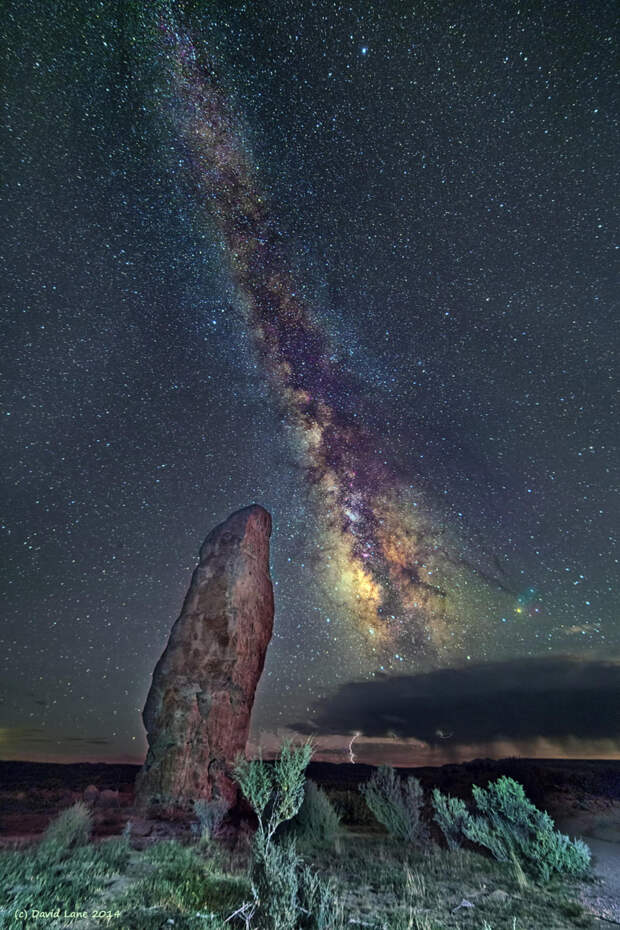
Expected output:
(72, 827)
(286, 894)
(451, 815)
(396, 803)
(277, 793)
(317, 825)
(210, 816)
(512, 829)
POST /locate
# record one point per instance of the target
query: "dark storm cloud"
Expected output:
(553, 698)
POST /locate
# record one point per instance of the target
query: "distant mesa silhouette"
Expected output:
(197, 713)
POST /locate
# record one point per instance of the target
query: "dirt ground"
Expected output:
(601, 831)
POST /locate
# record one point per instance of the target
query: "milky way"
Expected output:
(352, 262)
(383, 558)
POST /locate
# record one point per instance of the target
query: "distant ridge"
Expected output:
(539, 776)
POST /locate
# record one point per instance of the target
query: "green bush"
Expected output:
(351, 807)
(71, 828)
(286, 894)
(450, 814)
(289, 895)
(210, 817)
(277, 793)
(512, 828)
(275, 876)
(317, 825)
(396, 803)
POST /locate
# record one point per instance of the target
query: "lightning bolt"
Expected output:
(351, 741)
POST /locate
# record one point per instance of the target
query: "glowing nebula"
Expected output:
(382, 559)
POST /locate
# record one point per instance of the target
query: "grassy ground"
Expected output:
(170, 885)
(36, 882)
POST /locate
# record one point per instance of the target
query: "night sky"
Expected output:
(352, 262)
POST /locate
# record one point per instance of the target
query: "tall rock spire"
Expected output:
(197, 713)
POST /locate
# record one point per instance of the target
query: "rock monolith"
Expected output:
(197, 713)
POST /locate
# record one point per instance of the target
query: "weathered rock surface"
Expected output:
(197, 713)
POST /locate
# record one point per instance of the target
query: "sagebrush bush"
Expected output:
(289, 895)
(72, 827)
(277, 793)
(513, 829)
(210, 816)
(286, 894)
(317, 825)
(451, 814)
(512, 824)
(275, 877)
(351, 807)
(396, 803)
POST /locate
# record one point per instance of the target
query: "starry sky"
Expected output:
(350, 261)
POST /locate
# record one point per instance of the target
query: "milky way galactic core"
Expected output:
(400, 579)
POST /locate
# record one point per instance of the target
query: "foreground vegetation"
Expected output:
(304, 870)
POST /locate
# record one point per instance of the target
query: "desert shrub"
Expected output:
(450, 814)
(317, 825)
(71, 828)
(510, 823)
(351, 807)
(286, 894)
(513, 829)
(277, 793)
(275, 876)
(396, 803)
(554, 852)
(210, 817)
